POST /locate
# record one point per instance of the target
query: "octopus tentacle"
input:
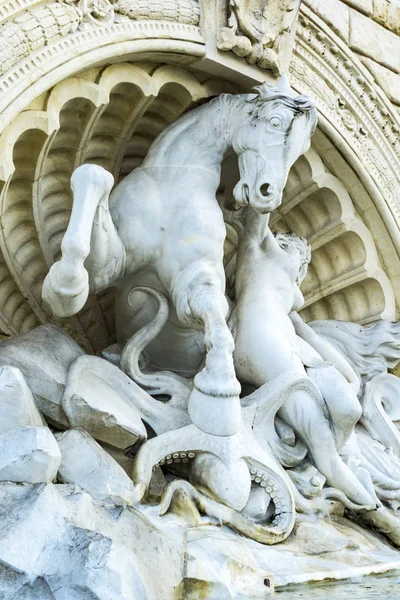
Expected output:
(262, 533)
(312, 505)
(265, 403)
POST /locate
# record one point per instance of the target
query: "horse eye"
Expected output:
(276, 121)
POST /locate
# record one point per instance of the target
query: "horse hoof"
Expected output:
(217, 416)
(65, 298)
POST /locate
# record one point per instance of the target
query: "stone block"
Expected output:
(334, 13)
(373, 41)
(43, 355)
(92, 402)
(16, 585)
(364, 6)
(85, 463)
(387, 80)
(29, 455)
(63, 542)
(17, 406)
(387, 13)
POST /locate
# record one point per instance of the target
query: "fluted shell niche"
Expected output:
(110, 116)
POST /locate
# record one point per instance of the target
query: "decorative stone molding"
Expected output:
(177, 11)
(34, 29)
(257, 30)
(104, 11)
(352, 104)
(45, 37)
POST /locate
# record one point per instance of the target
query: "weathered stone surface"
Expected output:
(17, 406)
(373, 41)
(387, 13)
(124, 461)
(85, 463)
(387, 80)
(334, 13)
(28, 454)
(214, 556)
(91, 401)
(43, 355)
(80, 549)
(17, 585)
(364, 6)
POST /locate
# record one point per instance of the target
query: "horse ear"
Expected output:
(264, 90)
(284, 85)
(280, 87)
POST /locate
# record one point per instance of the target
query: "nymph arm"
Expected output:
(256, 226)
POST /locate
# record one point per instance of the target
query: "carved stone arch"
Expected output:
(357, 135)
(80, 50)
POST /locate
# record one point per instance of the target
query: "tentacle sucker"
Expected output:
(265, 534)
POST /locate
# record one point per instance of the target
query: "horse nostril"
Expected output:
(264, 189)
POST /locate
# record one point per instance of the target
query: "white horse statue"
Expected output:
(163, 227)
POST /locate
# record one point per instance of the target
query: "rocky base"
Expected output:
(57, 542)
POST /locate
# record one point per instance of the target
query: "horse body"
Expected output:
(164, 222)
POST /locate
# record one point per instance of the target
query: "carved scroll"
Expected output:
(258, 29)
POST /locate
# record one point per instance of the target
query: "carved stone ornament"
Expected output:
(211, 409)
(41, 26)
(257, 30)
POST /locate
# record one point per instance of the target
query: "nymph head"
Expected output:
(299, 248)
(275, 131)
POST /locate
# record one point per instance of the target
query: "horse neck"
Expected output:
(201, 138)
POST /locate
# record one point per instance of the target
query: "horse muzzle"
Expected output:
(263, 199)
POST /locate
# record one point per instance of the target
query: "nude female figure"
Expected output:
(269, 273)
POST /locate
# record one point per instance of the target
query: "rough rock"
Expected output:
(29, 454)
(85, 463)
(17, 585)
(17, 406)
(124, 461)
(43, 355)
(93, 401)
(80, 549)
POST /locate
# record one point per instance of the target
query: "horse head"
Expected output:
(275, 131)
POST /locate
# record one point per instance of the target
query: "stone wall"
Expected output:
(371, 29)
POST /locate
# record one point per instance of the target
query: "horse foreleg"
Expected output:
(214, 404)
(92, 252)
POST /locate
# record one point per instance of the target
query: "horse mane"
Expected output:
(370, 350)
(281, 93)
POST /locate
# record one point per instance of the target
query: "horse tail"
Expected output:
(160, 382)
(66, 286)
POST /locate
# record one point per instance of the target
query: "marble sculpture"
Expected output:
(255, 414)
